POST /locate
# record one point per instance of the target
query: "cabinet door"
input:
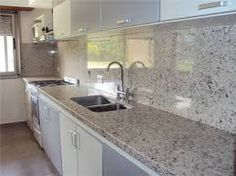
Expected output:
(62, 20)
(84, 16)
(68, 149)
(53, 137)
(174, 9)
(120, 13)
(89, 154)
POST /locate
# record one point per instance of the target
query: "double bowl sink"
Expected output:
(99, 103)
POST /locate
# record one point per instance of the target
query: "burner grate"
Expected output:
(49, 83)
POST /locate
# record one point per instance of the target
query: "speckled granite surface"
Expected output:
(190, 67)
(169, 144)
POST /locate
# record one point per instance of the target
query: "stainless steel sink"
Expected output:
(91, 100)
(105, 108)
(99, 103)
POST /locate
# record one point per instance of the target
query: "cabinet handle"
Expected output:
(75, 139)
(123, 21)
(83, 30)
(212, 5)
(72, 138)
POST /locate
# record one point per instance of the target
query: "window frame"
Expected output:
(16, 47)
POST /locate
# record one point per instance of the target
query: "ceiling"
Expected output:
(48, 4)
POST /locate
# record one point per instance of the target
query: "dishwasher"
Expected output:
(114, 164)
(50, 131)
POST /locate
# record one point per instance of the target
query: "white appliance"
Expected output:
(32, 89)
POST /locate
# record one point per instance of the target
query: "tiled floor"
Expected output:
(20, 155)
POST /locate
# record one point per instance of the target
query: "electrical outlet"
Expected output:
(99, 78)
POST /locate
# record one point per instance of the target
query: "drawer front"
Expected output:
(175, 9)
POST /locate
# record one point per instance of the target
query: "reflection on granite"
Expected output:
(192, 73)
(38, 59)
(71, 59)
(168, 144)
(190, 68)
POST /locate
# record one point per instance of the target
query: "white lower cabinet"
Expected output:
(81, 152)
(49, 124)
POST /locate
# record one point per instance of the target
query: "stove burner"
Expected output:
(49, 83)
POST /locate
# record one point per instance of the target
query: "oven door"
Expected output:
(35, 119)
(35, 112)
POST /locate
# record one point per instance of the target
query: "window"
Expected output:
(8, 61)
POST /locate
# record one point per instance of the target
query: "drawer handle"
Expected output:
(83, 30)
(123, 21)
(212, 5)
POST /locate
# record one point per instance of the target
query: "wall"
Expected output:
(12, 101)
(190, 71)
(36, 60)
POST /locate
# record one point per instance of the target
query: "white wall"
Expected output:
(12, 101)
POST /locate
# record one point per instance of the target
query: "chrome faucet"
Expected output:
(121, 73)
(121, 93)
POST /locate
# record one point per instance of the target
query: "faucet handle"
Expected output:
(129, 95)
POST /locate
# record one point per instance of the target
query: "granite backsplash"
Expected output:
(37, 59)
(190, 72)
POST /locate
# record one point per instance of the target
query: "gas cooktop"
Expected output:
(49, 83)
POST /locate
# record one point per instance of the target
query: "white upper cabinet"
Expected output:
(85, 16)
(61, 20)
(76, 17)
(122, 13)
(176, 9)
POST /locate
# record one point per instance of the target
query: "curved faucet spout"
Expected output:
(121, 72)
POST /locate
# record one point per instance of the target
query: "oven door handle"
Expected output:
(34, 99)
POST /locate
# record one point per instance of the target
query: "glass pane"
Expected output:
(10, 54)
(2, 55)
(6, 25)
(103, 51)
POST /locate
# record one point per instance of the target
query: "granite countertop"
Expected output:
(168, 144)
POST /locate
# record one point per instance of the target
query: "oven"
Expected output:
(32, 90)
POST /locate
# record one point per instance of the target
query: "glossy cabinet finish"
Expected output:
(68, 149)
(76, 17)
(89, 154)
(122, 13)
(61, 20)
(81, 153)
(176, 9)
(84, 17)
(50, 130)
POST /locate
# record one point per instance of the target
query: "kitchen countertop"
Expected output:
(168, 144)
